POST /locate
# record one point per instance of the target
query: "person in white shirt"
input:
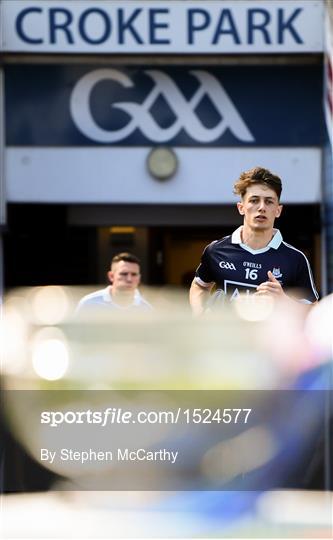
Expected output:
(122, 293)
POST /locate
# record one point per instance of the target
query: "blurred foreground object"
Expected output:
(278, 514)
(319, 329)
(256, 346)
(255, 343)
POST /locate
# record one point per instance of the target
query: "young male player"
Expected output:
(254, 259)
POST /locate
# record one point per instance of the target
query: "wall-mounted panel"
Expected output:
(77, 105)
(192, 27)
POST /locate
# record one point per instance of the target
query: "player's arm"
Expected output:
(305, 282)
(271, 287)
(199, 296)
(202, 283)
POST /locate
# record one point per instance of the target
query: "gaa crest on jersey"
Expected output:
(276, 273)
(227, 265)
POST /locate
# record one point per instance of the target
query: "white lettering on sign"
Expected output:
(140, 113)
(161, 26)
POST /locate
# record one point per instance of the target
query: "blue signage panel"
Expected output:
(77, 105)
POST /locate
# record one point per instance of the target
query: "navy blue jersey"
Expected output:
(236, 268)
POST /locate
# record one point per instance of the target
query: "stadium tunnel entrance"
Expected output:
(73, 245)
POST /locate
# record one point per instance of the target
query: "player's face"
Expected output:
(124, 276)
(259, 206)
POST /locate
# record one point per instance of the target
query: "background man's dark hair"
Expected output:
(126, 257)
(258, 175)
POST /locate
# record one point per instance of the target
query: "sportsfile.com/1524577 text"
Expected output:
(113, 415)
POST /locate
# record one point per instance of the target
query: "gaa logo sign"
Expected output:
(140, 114)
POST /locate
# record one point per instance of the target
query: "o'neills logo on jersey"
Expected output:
(227, 265)
(141, 116)
(252, 265)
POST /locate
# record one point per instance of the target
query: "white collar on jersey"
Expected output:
(275, 243)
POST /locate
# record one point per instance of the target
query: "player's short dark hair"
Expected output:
(258, 175)
(126, 257)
